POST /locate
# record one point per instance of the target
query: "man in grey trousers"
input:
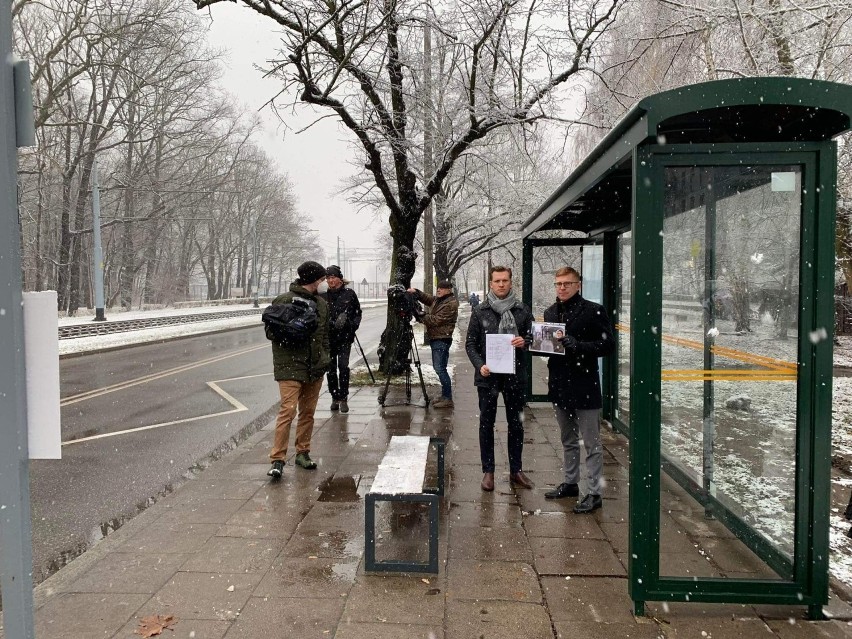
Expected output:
(574, 385)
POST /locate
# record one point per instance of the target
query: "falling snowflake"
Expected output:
(713, 332)
(757, 258)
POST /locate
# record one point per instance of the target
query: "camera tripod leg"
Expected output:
(416, 359)
(383, 395)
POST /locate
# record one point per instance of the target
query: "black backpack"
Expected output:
(290, 323)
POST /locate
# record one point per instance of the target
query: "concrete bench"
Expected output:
(401, 478)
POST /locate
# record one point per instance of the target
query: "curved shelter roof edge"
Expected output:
(596, 195)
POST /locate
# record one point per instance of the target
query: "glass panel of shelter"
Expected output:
(731, 258)
(621, 324)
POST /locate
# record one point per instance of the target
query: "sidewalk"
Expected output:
(232, 555)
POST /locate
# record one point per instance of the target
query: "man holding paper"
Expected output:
(574, 385)
(495, 341)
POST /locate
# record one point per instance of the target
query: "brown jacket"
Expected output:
(440, 318)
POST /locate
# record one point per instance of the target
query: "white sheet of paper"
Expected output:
(499, 353)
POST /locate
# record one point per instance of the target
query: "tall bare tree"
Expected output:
(361, 60)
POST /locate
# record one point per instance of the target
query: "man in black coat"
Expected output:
(574, 385)
(344, 318)
(500, 312)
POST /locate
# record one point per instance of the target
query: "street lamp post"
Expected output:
(254, 283)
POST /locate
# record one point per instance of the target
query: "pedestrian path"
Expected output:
(232, 555)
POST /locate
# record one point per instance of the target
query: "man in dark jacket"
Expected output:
(299, 371)
(574, 385)
(500, 312)
(344, 318)
(440, 322)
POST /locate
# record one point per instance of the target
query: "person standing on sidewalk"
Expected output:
(344, 318)
(440, 322)
(500, 312)
(574, 385)
(299, 371)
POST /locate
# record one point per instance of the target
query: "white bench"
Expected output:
(401, 478)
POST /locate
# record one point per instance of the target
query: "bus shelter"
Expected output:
(705, 224)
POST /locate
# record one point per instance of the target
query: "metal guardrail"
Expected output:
(121, 326)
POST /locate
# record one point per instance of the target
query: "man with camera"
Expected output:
(440, 322)
(344, 313)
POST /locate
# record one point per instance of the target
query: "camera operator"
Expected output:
(440, 322)
(344, 312)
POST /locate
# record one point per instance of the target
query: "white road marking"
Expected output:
(73, 399)
(238, 407)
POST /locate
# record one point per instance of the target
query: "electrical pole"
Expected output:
(98, 256)
(16, 559)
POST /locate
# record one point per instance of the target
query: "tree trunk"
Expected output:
(395, 343)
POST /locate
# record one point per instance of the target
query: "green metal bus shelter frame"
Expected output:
(620, 188)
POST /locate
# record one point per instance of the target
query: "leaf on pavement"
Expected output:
(153, 625)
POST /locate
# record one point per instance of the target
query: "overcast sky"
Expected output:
(316, 160)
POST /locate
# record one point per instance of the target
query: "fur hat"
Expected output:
(445, 284)
(309, 272)
(334, 271)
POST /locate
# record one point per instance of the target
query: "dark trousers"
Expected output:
(513, 397)
(440, 359)
(338, 371)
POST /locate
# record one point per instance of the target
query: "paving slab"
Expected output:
(77, 615)
(562, 525)
(234, 554)
(287, 617)
(202, 595)
(493, 580)
(497, 620)
(607, 630)
(299, 577)
(575, 557)
(356, 630)
(588, 600)
(130, 573)
(400, 599)
(489, 544)
(181, 629)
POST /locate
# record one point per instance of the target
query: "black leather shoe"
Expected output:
(562, 490)
(589, 503)
(487, 482)
(520, 479)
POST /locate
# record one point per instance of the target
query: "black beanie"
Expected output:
(334, 271)
(309, 272)
(445, 284)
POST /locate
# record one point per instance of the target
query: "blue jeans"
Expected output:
(440, 358)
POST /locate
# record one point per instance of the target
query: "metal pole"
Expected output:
(98, 252)
(15, 533)
(338, 250)
(254, 282)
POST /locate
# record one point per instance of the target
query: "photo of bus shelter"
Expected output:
(704, 222)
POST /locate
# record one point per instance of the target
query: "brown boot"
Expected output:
(487, 482)
(520, 479)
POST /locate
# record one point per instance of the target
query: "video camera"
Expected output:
(405, 304)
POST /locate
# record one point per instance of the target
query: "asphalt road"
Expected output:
(136, 421)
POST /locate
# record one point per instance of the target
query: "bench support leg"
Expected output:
(397, 565)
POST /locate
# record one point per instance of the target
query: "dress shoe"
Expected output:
(562, 490)
(520, 479)
(589, 503)
(488, 482)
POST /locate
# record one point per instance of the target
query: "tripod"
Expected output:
(413, 357)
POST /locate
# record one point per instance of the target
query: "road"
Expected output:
(136, 421)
